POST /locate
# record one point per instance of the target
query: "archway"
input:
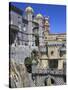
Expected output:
(49, 81)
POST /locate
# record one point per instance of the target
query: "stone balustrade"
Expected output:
(48, 71)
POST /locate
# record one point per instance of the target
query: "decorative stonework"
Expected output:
(48, 64)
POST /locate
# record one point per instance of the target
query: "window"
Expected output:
(11, 21)
(52, 52)
(18, 16)
(45, 37)
(61, 53)
(20, 27)
(42, 33)
(64, 78)
(53, 63)
(19, 20)
(64, 40)
(24, 28)
(52, 81)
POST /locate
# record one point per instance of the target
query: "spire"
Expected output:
(47, 25)
(47, 21)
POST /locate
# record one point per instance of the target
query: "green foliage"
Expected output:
(28, 61)
(28, 64)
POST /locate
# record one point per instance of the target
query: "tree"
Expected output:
(28, 64)
(28, 60)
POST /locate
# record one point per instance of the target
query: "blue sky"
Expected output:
(57, 14)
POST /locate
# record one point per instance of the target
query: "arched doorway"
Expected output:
(49, 81)
(52, 81)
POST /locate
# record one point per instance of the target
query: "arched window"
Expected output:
(52, 52)
(24, 27)
(46, 83)
(62, 50)
(52, 81)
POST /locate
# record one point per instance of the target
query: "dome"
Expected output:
(39, 16)
(29, 9)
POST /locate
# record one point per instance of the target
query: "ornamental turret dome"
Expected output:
(39, 16)
(29, 9)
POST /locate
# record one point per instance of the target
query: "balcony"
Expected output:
(48, 71)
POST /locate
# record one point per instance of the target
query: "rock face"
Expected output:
(19, 77)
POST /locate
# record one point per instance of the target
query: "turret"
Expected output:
(39, 16)
(47, 25)
(29, 13)
(39, 19)
(29, 10)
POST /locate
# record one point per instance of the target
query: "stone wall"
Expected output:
(19, 77)
(20, 52)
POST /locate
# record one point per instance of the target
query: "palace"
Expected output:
(25, 28)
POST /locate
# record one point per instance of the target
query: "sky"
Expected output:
(56, 13)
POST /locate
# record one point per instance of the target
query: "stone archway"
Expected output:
(49, 81)
(52, 81)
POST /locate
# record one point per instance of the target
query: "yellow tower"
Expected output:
(47, 26)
